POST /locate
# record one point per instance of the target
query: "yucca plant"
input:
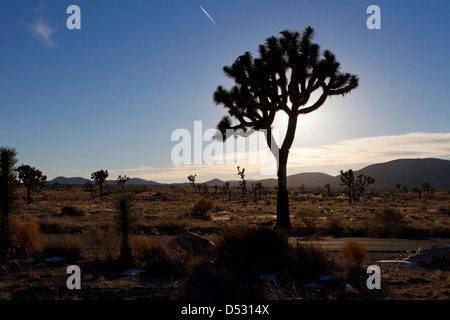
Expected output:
(7, 185)
(125, 220)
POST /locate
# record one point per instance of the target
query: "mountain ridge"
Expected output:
(409, 172)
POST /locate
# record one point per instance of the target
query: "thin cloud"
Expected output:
(43, 32)
(348, 152)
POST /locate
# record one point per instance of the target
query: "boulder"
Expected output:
(193, 242)
(435, 256)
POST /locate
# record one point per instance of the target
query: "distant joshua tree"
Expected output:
(428, 190)
(89, 187)
(227, 190)
(257, 190)
(31, 178)
(289, 71)
(122, 180)
(7, 186)
(100, 178)
(328, 188)
(191, 179)
(355, 188)
(242, 184)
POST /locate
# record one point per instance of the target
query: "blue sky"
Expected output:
(110, 95)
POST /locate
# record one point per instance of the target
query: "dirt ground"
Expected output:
(168, 211)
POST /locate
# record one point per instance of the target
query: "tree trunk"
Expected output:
(101, 189)
(283, 219)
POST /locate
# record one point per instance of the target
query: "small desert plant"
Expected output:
(203, 206)
(72, 211)
(355, 252)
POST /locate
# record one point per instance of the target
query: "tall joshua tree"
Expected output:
(100, 178)
(31, 178)
(288, 71)
(7, 184)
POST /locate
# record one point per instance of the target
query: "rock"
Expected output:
(193, 242)
(432, 256)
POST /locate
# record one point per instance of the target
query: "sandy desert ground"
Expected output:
(80, 228)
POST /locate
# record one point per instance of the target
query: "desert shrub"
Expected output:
(334, 227)
(252, 252)
(141, 246)
(54, 226)
(203, 206)
(309, 218)
(165, 258)
(67, 246)
(355, 252)
(161, 227)
(72, 211)
(307, 261)
(390, 219)
(207, 282)
(441, 261)
(444, 209)
(25, 236)
(106, 241)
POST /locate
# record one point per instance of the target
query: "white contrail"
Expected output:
(210, 18)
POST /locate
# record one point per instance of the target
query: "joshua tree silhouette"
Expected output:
(289, 69)
(122, 180)
(31, 178)
(100, 178)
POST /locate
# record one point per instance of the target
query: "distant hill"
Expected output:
(409, 172)
(142, 182)
(215, 182)
(310, 179)
(64, 180)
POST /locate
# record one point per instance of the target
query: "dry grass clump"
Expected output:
(70, 247)
(307, 261)
(355, 252)
(25, 237)
(161, 257)
(203, 206)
